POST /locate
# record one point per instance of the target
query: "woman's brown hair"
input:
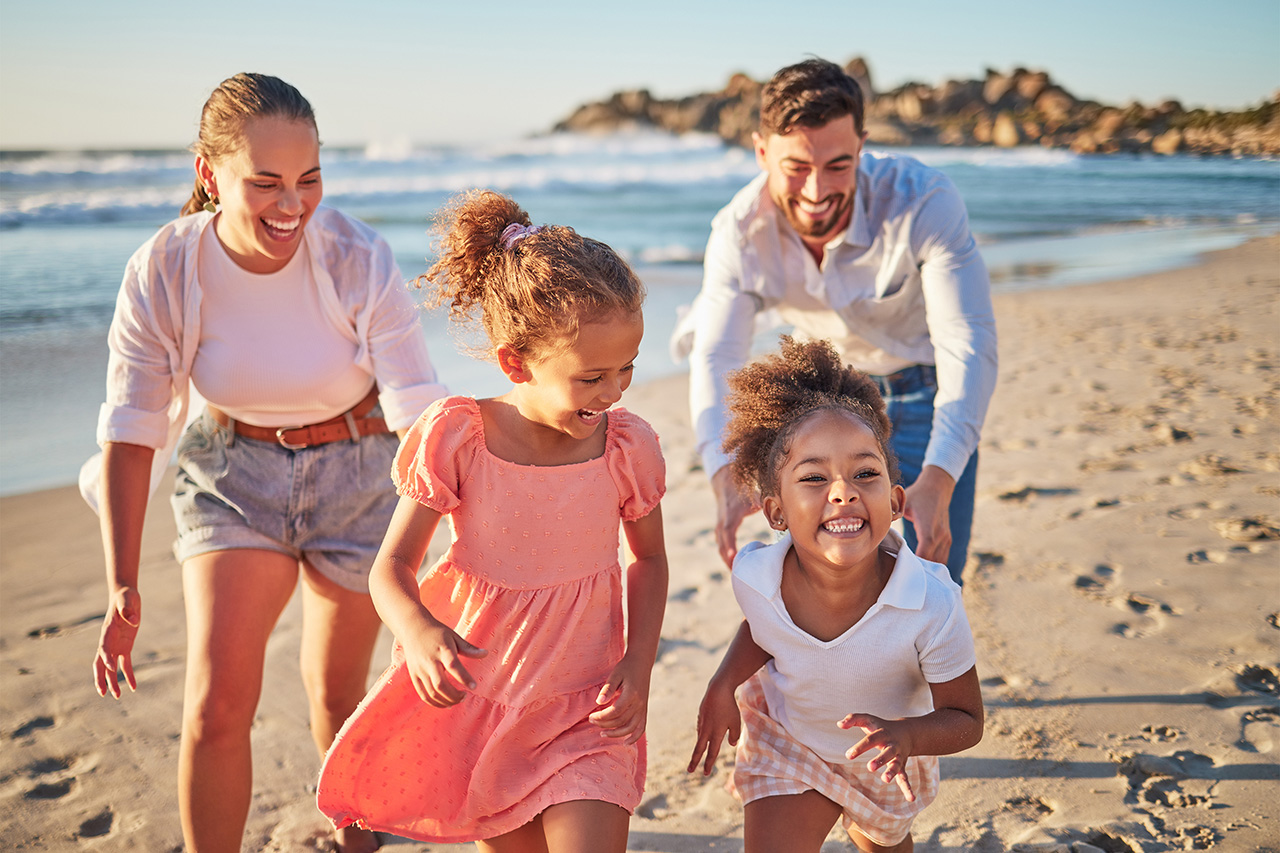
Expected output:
(236, 100)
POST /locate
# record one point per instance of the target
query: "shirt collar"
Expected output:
(905, 590)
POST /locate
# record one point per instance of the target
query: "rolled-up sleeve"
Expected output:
(962, 328)
(397, 348)
(139, 362)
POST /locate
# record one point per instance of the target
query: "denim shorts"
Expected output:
(328, 505)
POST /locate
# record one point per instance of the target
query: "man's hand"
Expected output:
(731, 509)
(927, 506)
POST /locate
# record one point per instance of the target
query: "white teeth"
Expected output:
(810, 207)
(282, 224)
(844, 525)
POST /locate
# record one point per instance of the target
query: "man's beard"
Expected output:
(809, 228)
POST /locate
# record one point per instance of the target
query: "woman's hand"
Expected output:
(718, 716)
(434, 660)
(115, 645)
(625, 701)
(893, 740)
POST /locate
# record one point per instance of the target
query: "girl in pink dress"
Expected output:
(513, 713)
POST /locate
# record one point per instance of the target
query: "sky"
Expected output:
(77, 74)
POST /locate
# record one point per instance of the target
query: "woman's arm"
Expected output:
(126, 484)
(625, 696)
(433, 650)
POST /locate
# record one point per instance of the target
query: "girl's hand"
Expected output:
(894, 742)
(718, 717)
(115, 645)
(434, 660)
(625, 701)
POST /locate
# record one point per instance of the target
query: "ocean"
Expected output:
(70, 220)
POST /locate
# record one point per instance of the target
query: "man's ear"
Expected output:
(512, 364)
(772, 508)
(758, 142)
(897, 500)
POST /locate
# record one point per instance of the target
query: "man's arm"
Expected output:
(961, 321)
(724, 321)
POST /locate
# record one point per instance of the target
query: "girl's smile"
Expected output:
(565, 394)
(834, 493)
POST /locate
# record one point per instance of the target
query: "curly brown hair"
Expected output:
(769, 400)
(532, 293)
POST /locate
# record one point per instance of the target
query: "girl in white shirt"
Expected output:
(856, 655)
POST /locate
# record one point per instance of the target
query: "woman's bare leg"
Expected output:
(233, 601)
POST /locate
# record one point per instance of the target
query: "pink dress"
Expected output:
(532, 575)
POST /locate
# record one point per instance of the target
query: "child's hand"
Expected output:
(433, 657)
(115, 645)
(893, 742)
(718, 716)
(625, 697)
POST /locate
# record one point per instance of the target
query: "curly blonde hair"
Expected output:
(770, 399)
(531, 293)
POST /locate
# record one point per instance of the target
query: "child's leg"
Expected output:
(586, 826)
(792, 822)
(906, 845)
(527, 839)
(578, 826)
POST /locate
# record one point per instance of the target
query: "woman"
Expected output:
(281, 313)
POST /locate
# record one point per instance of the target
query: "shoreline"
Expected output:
(1121, 588)
(66, 371)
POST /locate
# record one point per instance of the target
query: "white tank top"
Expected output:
(268, 355)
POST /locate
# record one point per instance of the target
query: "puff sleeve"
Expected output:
(435, 458)
(635, 462)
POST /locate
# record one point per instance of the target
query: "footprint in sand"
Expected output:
(1175, 781)
(1257, 728)
(1160, 734)
(98, 825)
(1246, 529)
(1027, 492)
(1096, 583)
(65, 628)
(1259, 679)
(32, 725)
(1208, 466)
(1151, 611)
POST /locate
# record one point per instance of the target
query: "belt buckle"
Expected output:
(285, 444)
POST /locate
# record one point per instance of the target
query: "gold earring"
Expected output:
(211, 205)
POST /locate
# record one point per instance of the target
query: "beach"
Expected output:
(1123, 587)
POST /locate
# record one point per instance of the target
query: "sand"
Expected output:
(1124, 590)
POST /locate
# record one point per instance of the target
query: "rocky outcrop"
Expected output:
(1022, 107)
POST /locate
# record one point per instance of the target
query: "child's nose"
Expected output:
(842, 492)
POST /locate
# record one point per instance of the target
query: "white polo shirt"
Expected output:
(915, 634)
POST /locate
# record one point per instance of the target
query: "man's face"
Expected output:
(813, 173)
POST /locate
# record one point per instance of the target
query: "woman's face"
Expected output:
(267, 191)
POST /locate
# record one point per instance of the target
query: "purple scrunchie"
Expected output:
(515, 232)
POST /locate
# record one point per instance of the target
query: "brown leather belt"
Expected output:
(351, 425)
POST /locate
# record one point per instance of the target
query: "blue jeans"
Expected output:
(908, 396)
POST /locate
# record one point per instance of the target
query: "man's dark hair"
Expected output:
(809, 94)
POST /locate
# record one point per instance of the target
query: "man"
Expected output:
(873, 253)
